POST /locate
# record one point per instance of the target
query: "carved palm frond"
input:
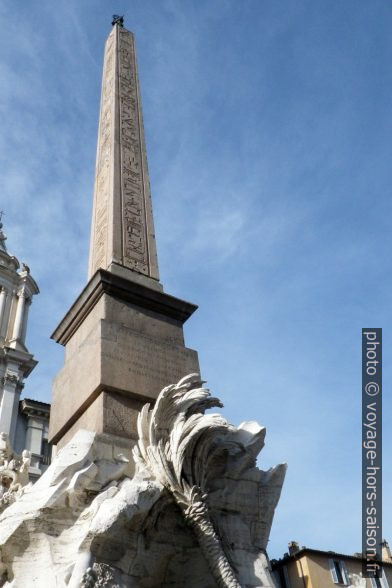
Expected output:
(177, 437)
(177, 442)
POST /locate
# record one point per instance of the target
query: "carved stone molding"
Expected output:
(11, 378)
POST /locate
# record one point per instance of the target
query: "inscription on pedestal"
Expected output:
(144, 365)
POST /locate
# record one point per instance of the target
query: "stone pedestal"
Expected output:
(123, 343)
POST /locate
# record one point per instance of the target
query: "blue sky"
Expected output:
(269, 136)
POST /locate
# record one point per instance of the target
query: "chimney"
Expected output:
(293, 547)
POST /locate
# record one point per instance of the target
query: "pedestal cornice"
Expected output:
(106, 282)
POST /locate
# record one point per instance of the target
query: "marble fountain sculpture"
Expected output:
(186, 506)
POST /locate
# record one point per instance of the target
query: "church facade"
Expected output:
(26, 421)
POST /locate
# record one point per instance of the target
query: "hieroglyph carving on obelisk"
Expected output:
(122, 225)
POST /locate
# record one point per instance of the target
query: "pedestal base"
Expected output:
(124, 342)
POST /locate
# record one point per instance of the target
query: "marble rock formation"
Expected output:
(185, 506)
(358, 581)
(14, 472)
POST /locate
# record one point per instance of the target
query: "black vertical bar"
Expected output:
(371, 452)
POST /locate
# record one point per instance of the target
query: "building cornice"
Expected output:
(35, 408)
(330, 554)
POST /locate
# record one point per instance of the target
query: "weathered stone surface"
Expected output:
(119, 348)
(14, 472)
(358, 581)
(122, 227)
(192, 510)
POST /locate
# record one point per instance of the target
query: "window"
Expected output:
(380, 582)
(46, 452)
(339, 572)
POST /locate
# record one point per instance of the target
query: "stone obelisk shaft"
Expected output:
(122, 231)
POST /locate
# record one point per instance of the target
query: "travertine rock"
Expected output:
(14, 472)
(358, 581)
(188, 508)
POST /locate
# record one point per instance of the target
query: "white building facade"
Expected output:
(25, 422)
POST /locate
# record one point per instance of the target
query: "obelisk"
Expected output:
(123, 336)
(122, 235)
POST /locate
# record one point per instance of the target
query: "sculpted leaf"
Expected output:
(177, 443)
